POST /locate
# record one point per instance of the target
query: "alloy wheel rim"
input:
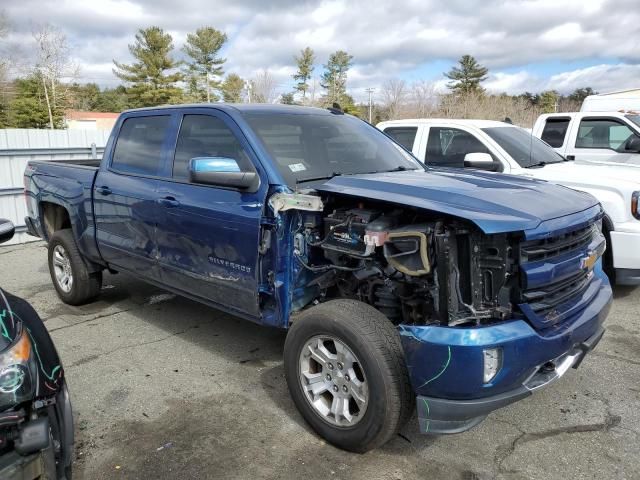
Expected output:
(62, 269)
(333, 381)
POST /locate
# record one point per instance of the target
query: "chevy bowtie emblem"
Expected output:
(587, 263)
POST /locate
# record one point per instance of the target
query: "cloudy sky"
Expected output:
(528, 45)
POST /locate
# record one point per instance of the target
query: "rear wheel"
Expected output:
(71, 278)
(346, 373)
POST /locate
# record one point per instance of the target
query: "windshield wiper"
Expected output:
(317, 179)
(536, 165)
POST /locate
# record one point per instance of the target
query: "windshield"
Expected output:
(525, 149)
(634, 118)
(316, 146)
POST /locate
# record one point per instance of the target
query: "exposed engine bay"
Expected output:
(414, 268)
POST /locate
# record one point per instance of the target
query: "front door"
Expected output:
(603, 140)
(208, 236)
(125, 207)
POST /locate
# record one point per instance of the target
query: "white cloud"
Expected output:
(386, 38)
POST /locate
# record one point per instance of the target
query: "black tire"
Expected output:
(607, 260)
(86, 286)
(376, 343)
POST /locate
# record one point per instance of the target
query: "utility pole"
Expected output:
(370, 91)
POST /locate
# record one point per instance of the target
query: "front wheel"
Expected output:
(71, 277)
(345, 370)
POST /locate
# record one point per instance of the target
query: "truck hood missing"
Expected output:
(496, 203)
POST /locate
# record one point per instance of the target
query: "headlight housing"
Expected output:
(18, 372)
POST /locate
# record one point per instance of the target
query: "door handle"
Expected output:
(570, 157)
(169, 202)
(104, 190)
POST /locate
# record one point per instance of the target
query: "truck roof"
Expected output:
(243, 108)
(448, 121)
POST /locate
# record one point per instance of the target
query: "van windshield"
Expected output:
(307, 147)
(523, 147)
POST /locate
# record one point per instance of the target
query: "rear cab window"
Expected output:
(138, 148)
(555, 130)
(405, 136)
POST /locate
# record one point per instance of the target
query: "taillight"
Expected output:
(634, 204)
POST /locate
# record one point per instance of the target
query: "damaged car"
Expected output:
(403, 287)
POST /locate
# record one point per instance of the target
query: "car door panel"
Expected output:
(208, 237)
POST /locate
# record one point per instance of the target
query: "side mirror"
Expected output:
(481, 161)
(220, 171)
(6, 230)
(633, 144)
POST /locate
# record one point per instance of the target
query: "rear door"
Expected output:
(601, 139)
(208, 236)
(124, 194)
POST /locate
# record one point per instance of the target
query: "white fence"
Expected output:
(18, 146)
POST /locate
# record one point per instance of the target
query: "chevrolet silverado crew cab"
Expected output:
(401, 285)
(501, 147)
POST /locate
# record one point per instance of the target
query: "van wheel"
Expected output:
(345, 370)
(71, 278)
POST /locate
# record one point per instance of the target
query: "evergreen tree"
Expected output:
(467, 77)
(334, 77)
(287, 99)
(152, 78)
(579, 94)
(232, 88)
(29, 108)
(204, 70)
(549, 101)
(305, 69)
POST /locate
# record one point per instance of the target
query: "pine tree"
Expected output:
(205, 70)
(152, 78)
(232, 88)
(305, 69)
(334, 78)
(467, 77)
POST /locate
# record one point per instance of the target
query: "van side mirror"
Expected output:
(221, 172)
(481, 161)
(7, 230)
(633, 144)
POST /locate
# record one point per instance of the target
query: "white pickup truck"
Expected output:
(502, 147)
(596, 137)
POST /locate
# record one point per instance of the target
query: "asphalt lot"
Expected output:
(163, 387)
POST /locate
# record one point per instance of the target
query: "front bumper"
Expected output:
(443, 416)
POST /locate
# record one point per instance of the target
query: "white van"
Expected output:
(501, 147)
(624, 100)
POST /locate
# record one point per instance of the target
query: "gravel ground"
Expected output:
(163, 387)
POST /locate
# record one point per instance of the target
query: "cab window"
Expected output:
(602, 133)
(138, 149)
(206, 136)
(405, 136)
(447, 147)
(555, 130)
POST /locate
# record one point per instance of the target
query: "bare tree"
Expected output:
(394, 94)
(424, 99)
(53, 62)
(4, 61)
(263, 88)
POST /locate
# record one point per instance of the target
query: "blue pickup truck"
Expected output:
(403, 287)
